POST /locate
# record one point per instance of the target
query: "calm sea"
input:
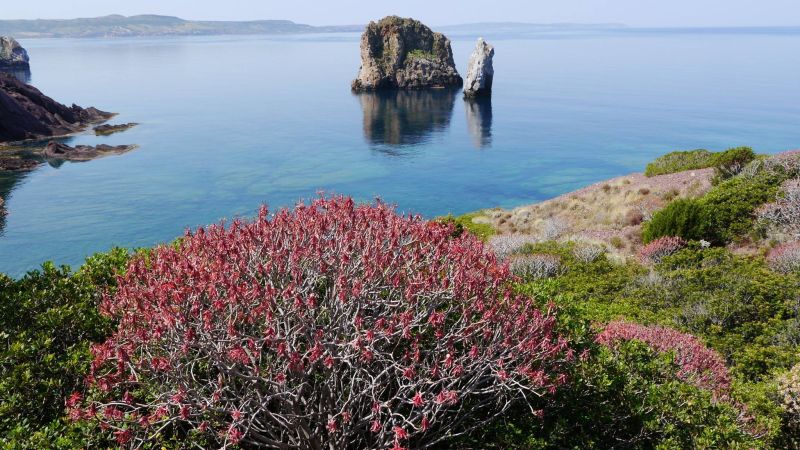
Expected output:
(229, 123)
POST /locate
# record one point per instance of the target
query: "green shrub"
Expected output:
(728, 209)
(464, 222)
(630, 397)
(680, 161)
(48, 319)
(730, 162)
(683, 218)
(724, 214)
(727, 163)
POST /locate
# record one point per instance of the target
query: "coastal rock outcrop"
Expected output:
(57, 150)
(398, 53)
(106, 130)
(12, 55)
(26, 113)
(15, 163)
(480, 74)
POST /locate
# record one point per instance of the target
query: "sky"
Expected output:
(436, 12)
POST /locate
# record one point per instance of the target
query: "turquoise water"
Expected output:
(228, 123)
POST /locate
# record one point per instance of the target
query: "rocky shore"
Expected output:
(26, 113)
(106, 130)
(57, 150)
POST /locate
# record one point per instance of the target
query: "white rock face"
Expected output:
(12, 55)
(481, 73)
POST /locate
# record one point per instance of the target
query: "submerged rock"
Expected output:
(57, 150)
(399, 53)
(12, 55)
(480, 74)
(26, 113)
(105, 130)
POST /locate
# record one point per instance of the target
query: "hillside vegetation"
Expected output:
(351, 325)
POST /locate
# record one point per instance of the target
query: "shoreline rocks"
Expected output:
(398, 53)
(480, 75)
(57, 150)
(16, 164)
(12, 55)
(26, 113)
(106, 130)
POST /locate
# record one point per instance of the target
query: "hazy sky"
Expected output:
(436, 12)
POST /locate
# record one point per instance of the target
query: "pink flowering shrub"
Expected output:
(334, 325)
(656, 250)
(698, 364)
(785, 258)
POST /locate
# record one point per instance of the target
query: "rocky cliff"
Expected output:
(399, 53)
(26, 113)
(480, 74)
(12, 55)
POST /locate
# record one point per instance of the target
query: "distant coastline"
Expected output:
(117, 26)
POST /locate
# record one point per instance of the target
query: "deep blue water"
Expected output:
(228, 123)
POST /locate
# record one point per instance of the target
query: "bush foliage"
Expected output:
(48, 319)
(726, 163)
(680, 161)
(333, 325)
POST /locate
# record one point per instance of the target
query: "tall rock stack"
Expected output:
(398, 53)
(480, 74)
(12, 55)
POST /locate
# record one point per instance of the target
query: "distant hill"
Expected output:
(153, 25)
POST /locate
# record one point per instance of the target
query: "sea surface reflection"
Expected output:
(479, 120)
(406, 118)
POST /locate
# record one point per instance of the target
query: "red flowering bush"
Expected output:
(698, 364)
(785, 258)
(656, 250)
(334, 325)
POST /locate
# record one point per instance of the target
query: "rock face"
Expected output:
(26, 113)
(57, 150)
(399, 53)
(480, 74)
(12, 55)
(12, 163)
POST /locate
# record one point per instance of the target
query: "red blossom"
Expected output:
(294, 307)
(656, 250)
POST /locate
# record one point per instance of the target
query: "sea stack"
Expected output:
(480, 74)
(12, 55)
(398, 53)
